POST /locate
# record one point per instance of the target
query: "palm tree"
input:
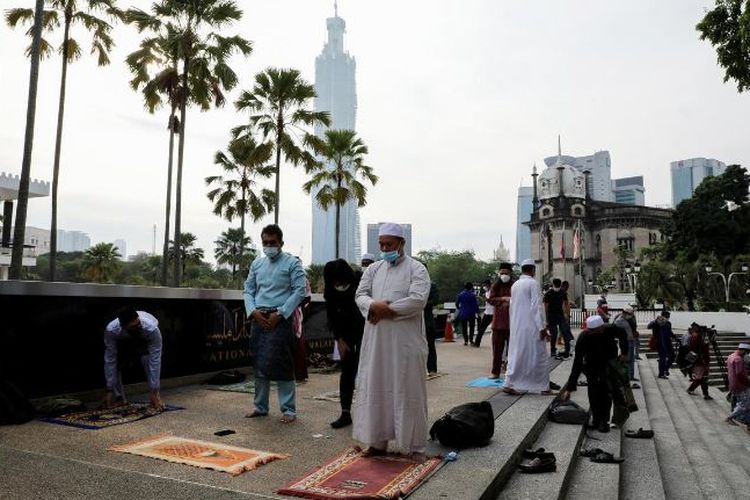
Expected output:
(278, 110)
(235, 249)
(100, 262)
(188, 253)
(204, 72)
(233, 195)
(343, 155)
(159, 53)
(101, 43)
(23, 185)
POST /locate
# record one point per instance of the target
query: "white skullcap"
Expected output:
(745, 346)
(593, 322)
(391, 229)
(528, 262)
(628, 309)
(368, 256)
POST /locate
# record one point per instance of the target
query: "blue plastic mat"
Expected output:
(495, 383)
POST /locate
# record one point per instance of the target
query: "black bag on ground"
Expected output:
(14, 407)
(226, 377)
(465, 426)
(567, 412)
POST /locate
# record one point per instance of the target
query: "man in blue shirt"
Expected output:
(274, 288)
(468, 308)
(131, 336)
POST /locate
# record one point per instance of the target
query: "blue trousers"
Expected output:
(287, 396)
(558, 321)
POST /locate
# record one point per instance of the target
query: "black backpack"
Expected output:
(14, 407)
(465, 426)
(567, 412)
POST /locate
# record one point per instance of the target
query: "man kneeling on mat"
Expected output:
(131, 336)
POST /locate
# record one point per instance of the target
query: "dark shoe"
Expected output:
(707, 397)
(344, 420)
(590, 452)
(603, 427)
(466, 343)
(641, 433)
(593, 425)
(538, 465)
(692, 393)
(538, 453)
(662, 376)
(606, 458)
(553, 386)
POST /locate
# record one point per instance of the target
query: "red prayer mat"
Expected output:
(353, 476)
(221, 457)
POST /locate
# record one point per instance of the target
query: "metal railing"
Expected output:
(642, 316)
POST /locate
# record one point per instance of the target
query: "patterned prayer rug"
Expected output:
(248, 387)
(98, 419)
(486, 382)
(332, 396)
(221, 457)
(353, 476)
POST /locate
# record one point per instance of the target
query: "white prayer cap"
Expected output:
(368, 256)
(594, 322)
(745, 346)
(528, 262)
(391, 229)
(628, 309)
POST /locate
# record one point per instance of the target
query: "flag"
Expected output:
(577, 243)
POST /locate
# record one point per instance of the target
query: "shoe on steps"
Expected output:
(606, 458)
(641, 433)
(603, 427)
(538, 465)
(343, 421)
(539, 452)
(591, 452)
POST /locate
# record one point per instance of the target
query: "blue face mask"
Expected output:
(390, 256)
(271, 252)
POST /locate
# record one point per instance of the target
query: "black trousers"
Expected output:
(431, 352)
(468, 333)
(349, 367)
(486, 320)
(600, 398)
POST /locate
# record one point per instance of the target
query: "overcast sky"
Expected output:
(457, 100)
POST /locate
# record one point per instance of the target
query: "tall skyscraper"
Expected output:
(523, 214)
(336, 93)
(122, 248)
(688, 174)
(599, 165)
(372, 239)
(629, 191)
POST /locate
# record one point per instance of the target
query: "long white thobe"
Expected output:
(391, 399)
(528, 359)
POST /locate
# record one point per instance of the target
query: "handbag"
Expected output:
(465, 426)
(567, 412)
(652, 343)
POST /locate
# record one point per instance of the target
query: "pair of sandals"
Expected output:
(285, 419)
(537, 461)
(641, 433)
(600, 456)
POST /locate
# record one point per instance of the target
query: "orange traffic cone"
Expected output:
(448, 337)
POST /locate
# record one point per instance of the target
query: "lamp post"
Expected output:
(727, 280)
(632, 272)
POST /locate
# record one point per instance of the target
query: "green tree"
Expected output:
(727, 27)
(71, 13)
(450, 270)
(278, 106)
(343, 155)
(314, 274)
(234, 195)
(187, 252)
(154, 66)
(234, 248)
(715, 221)
(203, 53)
(100, 263)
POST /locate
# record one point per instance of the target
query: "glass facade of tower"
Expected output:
(688, 174)
(523, 214)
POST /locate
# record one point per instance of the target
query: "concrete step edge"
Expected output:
(710, 479)
(678, 477)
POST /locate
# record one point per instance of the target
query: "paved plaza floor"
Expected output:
(43, 460)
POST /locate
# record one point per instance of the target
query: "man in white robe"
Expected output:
(391, 399)
(528, 361)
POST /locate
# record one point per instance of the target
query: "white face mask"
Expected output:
(505, 278)
(556, 288)
(342, 288)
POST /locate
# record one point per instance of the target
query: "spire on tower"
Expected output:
(559, 149)
(335, 8)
